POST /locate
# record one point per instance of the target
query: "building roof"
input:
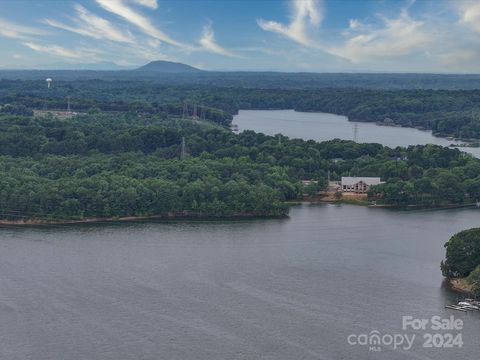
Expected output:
(352, 180)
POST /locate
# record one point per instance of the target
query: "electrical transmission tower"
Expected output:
(183, 152)
(185, 110)
(194, 115)
(355, 132)
(68, 104)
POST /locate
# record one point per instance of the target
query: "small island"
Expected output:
(462, 264)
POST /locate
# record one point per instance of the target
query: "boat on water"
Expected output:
(465, 305)
(468, 305)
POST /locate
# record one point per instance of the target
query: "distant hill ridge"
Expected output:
(168, 67)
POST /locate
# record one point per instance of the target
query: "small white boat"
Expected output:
(468, 305)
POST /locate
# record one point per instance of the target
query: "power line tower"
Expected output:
(355, 132)
(183, 152)
(194, 115)
(185, 110)
(202, 113)
(68, 104)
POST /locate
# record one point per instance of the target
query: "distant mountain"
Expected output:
(161, 66)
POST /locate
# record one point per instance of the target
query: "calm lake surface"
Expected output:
(322, 126)
(264, 289)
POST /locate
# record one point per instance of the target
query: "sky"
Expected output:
(440, 36)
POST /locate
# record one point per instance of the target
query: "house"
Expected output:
(359, 185)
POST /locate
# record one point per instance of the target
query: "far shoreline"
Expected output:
(185, 216)
(464, 143)
(32, 222)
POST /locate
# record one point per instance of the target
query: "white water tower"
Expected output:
(49, 81)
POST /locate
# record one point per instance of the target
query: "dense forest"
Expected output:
(453, 113)
(462, 254)
(463, 259)
(143, 148)
(124, 164)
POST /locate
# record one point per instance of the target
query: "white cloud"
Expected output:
(56, 50)
(394, 38)
(91, 25)
(397, 37)
(469, 12)
(14, 31)
(152, 4)
(305, 14)
(88, 24)
(119, 8)
(209, 43)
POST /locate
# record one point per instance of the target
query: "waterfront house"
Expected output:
(359, 185)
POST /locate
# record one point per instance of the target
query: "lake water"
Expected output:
(264, 289)
(322, 126)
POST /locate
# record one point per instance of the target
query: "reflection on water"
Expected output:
(322, 127)
(274, 289)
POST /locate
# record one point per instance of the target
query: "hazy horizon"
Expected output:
(103, 66)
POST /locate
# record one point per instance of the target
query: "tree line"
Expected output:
(463, 258)
(124, 165)
(446, 112)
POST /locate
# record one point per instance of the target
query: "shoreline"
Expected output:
(186, 215)
(374, 204)
(125, 219)
(460, 285)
